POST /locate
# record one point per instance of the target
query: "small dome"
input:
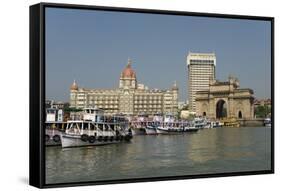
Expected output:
(128, 72)
(74, 86)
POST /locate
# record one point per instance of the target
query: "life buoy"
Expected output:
(84, 138)
(111, 138)
(92, 139)
(47, 138)
(56, 138)
(99, 138)
(117, 138)
(105, 138)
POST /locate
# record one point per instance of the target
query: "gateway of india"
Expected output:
(212, 98)
(130, 98)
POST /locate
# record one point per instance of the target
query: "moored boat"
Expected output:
(230, 122)
(87, 133)
(168, 130)
(200, 123)
(216, 124)
(267, 122)
(52, 133)
(150, 129)
(175, 128)
(96, 129)
(138, 125)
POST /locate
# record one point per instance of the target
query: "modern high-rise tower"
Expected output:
(201, 69)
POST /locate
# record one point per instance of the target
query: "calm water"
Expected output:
(207, 151)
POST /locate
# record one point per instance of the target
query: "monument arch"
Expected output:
(225, 99)
(221, 109)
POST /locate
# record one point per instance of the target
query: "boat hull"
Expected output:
(52, 137)
(191, 130)
(76, 141)
(167, 132)
(150, 131)
(138, 131)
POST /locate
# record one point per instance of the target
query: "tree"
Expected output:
(262, 111)
(71, 109)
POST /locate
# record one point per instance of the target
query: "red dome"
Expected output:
(128, 72)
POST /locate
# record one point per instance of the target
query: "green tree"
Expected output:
(71, 109)
(262, 111)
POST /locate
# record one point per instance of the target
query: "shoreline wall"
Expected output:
(251, 122)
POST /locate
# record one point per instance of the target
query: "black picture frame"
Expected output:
(37, 93)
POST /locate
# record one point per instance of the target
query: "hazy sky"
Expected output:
(93, 47)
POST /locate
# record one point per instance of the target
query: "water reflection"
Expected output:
(203, 147)
(207, 151)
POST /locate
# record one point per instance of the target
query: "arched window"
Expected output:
(239, 114)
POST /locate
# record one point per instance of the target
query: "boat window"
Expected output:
(94, 127)
(112, 127)
(86, 126)
(100, 126)
(90, 126)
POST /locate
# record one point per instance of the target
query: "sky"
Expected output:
(93, 47)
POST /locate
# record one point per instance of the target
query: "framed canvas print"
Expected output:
(123, 95)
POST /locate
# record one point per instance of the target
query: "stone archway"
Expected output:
(225, 99)
(221, 109)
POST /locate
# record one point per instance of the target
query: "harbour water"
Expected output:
(206, 151)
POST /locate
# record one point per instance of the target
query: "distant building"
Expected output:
(130, 98)
(262, 102)
(186, 113)
(201, 70)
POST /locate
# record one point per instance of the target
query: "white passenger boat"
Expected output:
(138, 125)
(52, 133)
(95, 129)
(53, 127)
(200, 123)
(166, 130)
(151, 127)
(216, 124)
(175, 128)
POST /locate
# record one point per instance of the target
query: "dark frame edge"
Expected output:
(35, 96)
(272, 96)
(155, 11)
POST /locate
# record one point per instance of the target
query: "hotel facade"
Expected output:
(201, 71)
(130, 98)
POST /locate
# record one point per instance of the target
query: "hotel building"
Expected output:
(201, 70)
(130, 98)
